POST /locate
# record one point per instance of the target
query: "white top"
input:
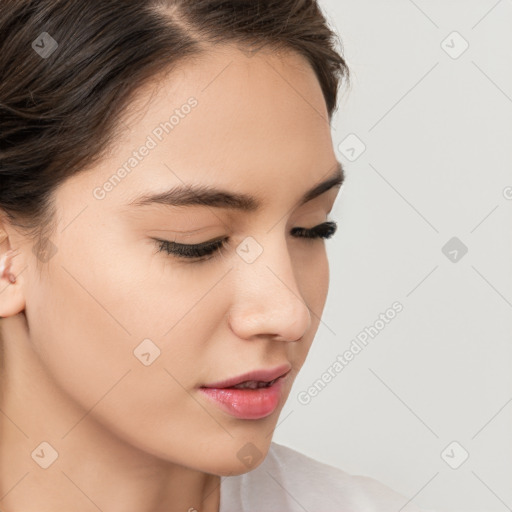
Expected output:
(289, 481)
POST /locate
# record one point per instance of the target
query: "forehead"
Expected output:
(238, 97)
(258, 124)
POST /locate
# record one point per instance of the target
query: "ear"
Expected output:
(12, 298)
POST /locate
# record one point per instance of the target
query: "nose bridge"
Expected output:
(269, 301)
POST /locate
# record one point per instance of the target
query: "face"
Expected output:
(116, 314)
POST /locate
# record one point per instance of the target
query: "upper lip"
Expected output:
(263, 375)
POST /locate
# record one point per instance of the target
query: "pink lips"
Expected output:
(249, 403)
(258, 375)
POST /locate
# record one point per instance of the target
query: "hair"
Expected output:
(59, 114)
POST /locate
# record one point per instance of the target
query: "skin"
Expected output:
(142, 438)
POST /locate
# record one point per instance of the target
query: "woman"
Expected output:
(166, 176)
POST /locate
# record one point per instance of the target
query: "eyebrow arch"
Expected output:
(204, 195)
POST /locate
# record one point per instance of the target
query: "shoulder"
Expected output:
(292, 481)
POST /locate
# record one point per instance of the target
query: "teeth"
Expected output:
(253, 384)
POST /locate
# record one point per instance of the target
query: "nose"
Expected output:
(269, 301)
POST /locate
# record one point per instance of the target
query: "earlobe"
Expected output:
(11, 293)
(5, 266)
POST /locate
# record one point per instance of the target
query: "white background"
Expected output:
(438, 136)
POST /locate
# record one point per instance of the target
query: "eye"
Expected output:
(203, 251)
(206, 250)
(325, 230)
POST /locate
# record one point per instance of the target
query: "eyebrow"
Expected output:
(205, 195)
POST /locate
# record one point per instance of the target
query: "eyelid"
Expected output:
(204, 251)
(183, 233)
(213, 241)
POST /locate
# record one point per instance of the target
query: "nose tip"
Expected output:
(281, 316)
(272, 295)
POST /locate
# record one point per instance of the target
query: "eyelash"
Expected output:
(207, 250)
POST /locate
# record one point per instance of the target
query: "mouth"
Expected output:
(255, 379)
(254, 384)
(248, 399)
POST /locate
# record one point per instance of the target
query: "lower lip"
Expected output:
(247, 404)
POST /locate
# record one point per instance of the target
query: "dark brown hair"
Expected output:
(59, 112)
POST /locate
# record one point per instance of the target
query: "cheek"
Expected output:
(89, 330)
(73, 329)
(313, 278)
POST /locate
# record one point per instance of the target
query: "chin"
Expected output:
(233, 469)
(236, 458)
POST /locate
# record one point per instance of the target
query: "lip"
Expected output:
(247, 404)
(264, 375)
